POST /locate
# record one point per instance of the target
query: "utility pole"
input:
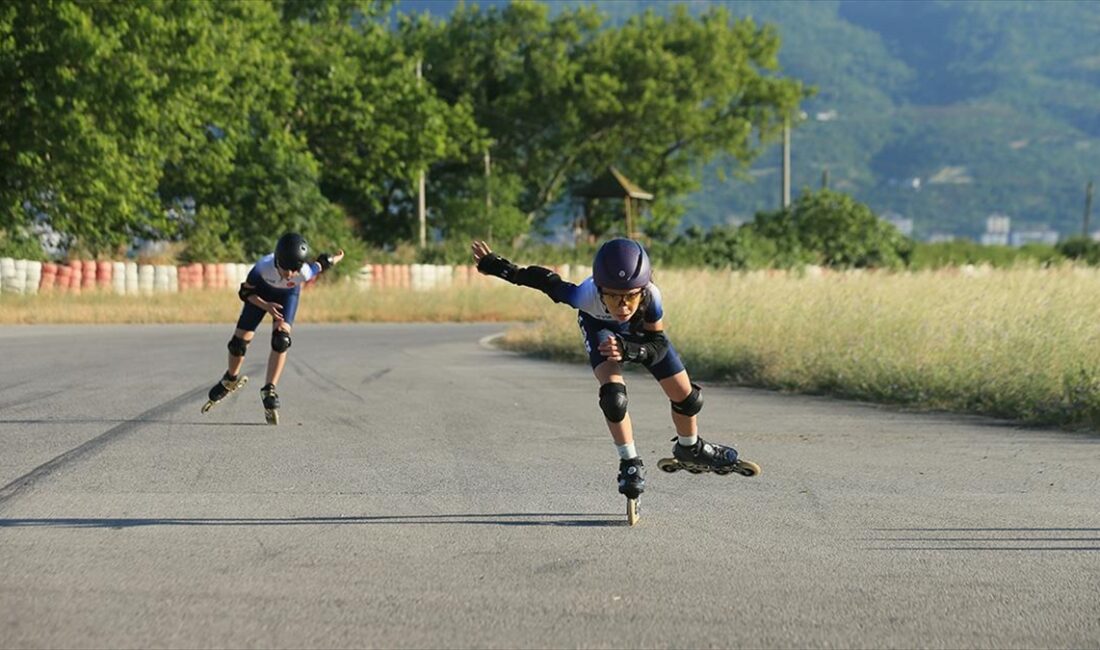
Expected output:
(825, 178)
(488, 191)
(421, 204)
(1088, 209)
(786, 163)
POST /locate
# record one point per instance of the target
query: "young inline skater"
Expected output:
(272, 287)
(620, 314)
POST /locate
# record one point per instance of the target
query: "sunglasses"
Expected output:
(621, 298)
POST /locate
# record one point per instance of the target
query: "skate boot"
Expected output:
(706, 456)
(222, 389)
(271, 403)
(631, 485)
(631, 478)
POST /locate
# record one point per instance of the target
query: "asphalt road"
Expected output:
(426, 490)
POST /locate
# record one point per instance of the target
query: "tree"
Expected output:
(86, 114)
(561, 98)
(367, 118)
(835, 230)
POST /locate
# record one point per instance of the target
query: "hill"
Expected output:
(942, 112)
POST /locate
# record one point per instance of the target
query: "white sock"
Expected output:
(688, 441)
(627, 451)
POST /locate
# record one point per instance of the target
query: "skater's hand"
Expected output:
(273, 309)
(480, 250)
(338, 256)
(489, 263)
(612, 348)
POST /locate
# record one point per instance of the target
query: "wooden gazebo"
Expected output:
(613, 185)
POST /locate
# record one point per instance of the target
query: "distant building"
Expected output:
(940, 237)
(1042, 235)
(999, 224)
(994, 239)
(903, 225)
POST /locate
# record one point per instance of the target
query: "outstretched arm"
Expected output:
(326, 261)
(536, 277)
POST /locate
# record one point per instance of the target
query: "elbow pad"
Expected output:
(493, 264)
(245, 291)
(650, 349)
(324, 260)
(541, 278)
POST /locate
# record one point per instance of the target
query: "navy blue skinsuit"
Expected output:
(597, 323)
(273, 288)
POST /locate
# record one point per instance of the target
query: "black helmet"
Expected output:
(621, 264)
(291, 252)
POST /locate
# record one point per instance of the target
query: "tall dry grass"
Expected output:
(1020, 343)
(325, 303)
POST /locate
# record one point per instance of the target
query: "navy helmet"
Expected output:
(291, 252)
(621, 265)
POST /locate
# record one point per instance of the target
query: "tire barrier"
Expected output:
(131, 278)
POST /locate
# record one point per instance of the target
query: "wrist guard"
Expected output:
(493, 264)
(325, 260)
(650, 348)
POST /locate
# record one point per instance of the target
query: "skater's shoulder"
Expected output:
(654, 308)
(586, 297)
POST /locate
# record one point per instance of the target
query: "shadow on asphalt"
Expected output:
(980, 539)
(503, 519)
(108, 420)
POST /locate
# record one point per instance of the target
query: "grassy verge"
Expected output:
(1019, 343)
(323, 304)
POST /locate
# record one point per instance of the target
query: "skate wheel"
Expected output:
(695, 471)
(748, 468)
(632, 512)
(668, 465)
(272, 416)
(209, 405)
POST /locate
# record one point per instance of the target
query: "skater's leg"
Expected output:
(276, 361)
(631, 476)
(610, 372)
(678, 388)
(247, 322)
(232, 379)
(237, 360)
(676, 384)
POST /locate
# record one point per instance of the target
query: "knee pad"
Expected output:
(237, 346)
(280, 341)
(613, 401)
(691, 404)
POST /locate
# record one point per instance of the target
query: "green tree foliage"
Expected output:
(964, 251)
(227, 124)
(562, 97)
(244, 159)
(87, 109)
(825, 227)
(367, 118)
(845, 233)
(1084, 249)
